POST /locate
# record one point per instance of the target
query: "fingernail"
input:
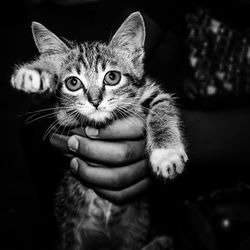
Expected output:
(73, 144)
(74, 165)
(91, 132)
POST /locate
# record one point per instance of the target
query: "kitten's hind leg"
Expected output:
(31, 80)
(160, 243)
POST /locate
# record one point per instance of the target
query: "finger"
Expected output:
(108, 152)
(60, 142)
(127, 194)
(78, 131)
(111, 178)
(129, 128)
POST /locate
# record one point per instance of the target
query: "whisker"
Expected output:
(68, 121)
(30, 120)
(63, 122)
(40, 111)
(70, 118)
(54, 130)
(64, 97)
(49, 129)
(77, 116)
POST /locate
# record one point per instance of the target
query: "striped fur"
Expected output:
(83, 78)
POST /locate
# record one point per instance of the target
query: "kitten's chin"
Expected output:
(99, 116)
(98, 119)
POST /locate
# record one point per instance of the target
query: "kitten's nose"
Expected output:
(94, 96)
(95, 102)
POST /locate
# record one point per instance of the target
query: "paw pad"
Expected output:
(168, 162)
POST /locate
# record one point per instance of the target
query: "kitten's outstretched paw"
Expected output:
(168, 162)
(30, 80)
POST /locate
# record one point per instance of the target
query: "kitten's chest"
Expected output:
(97, 207)
(101, 211)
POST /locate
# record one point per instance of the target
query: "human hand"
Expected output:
(110, 160)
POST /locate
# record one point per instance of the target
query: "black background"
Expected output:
(218, 139)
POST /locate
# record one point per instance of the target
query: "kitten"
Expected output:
(96, 84)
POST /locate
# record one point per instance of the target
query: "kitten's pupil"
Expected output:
(74, 82)
(111, 75)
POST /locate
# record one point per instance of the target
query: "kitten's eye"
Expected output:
(112, 78)
(73, 83)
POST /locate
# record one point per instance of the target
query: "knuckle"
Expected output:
(119, 181)
(84, 148)
(127, 153)
(116, 184)
(83, 171)
(121, 154)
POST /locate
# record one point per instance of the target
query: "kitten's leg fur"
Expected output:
(167, 157)
(34, 77)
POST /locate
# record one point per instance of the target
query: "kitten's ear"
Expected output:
(46, 41)
(131, 34)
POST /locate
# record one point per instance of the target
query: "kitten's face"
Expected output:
(97, 82)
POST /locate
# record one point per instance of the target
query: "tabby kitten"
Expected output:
(96, 83)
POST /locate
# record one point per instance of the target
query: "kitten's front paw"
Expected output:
(30, 80)
(168, 162)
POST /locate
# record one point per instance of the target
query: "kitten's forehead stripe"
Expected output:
(70, 57)
(78, 68)
(82, 61)
(100, 57)
(97, 61)
(81, 48)
(103, 64)
(91, 55)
